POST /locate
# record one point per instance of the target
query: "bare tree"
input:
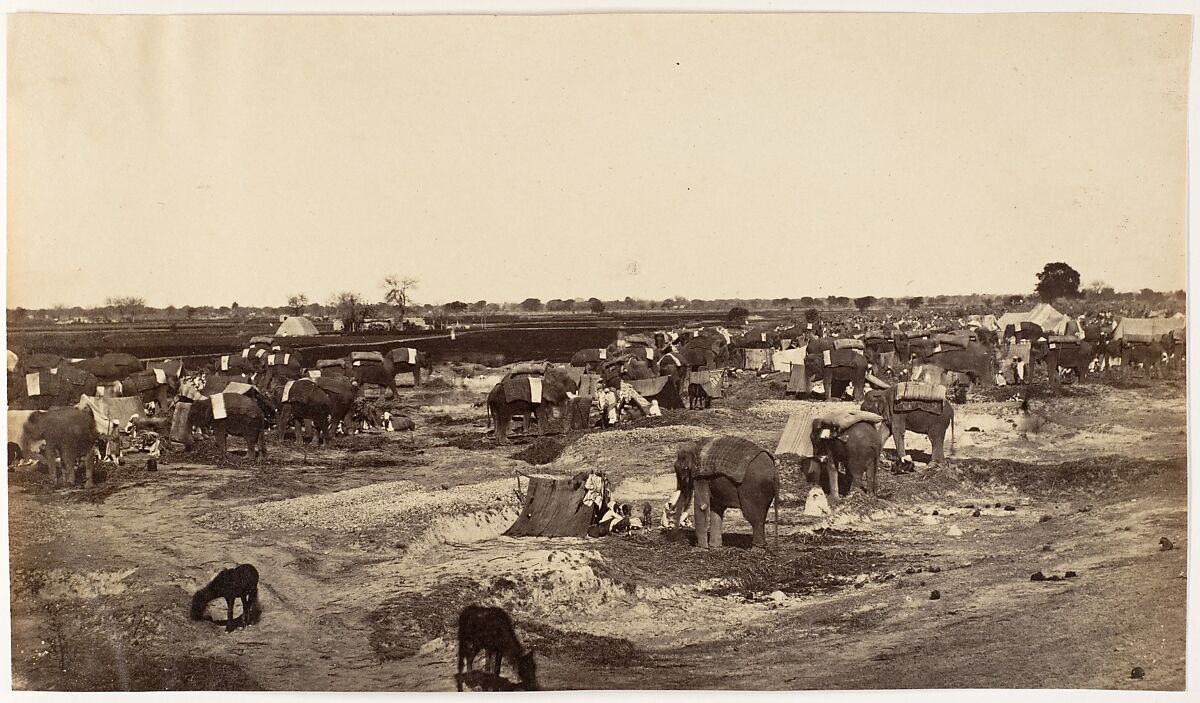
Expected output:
(398, 290)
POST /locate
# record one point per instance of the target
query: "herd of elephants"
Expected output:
(914, 374)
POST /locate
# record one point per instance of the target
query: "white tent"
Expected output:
(1043, 315)
(1146, 329)
(298, 326)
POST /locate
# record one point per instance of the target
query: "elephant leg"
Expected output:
(831, 474)
(219, 433)
(828, 379)
(282, 422)
(502, 422)
(700, 512)
(938, 440)
(898, 428)
(716, 522)
(89, 465)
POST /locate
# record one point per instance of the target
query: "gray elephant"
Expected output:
(69, 435)
(539, 396)
(372, 368)
(279, 368)
(722, 473)
(849, 457)
(975, 359)
(913, 407)
(110, 367)
(342, 391)
(307, 403)
(233, 414)
(151, 385)
(1063, 352)
(409, 360)
(836, 366)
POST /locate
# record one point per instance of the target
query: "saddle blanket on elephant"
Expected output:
(33, 384)
(848, 344)
(278, 359)
(108, 409)
(172, 367)
(287, 391)
(256, 353)
(755, 359)
(726, 456)
(238, 388)
(700, 376)
(330, 363)
(224, 366)
(403, 355)
(935, 407)
(375, 357)
(650, 387)
(646, 353)
(839, 358)
(530, 368)
(526, 388)
(908, 390)
(1061, 340)
(140, 382)
(75, 376)
(589, 384)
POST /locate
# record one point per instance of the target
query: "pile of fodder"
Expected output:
(821, 561)
(544, 450)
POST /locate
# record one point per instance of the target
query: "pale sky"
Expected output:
(206, 160)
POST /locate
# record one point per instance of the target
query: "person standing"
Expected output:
(155, 454)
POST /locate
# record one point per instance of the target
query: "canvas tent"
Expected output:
(1134, 329)
(1043, 315)
(298, 326)
(554, 507)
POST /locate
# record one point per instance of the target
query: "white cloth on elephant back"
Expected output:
(218, 406)
(287, 390)
(33, 384)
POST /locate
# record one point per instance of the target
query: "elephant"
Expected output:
(62, 386)
(722, 473)
(628, 368)
(280, 368)
(69, 435)
(372, 372)
(150, 385)
(244, 418)
(111, 367)
(914, 419)
(406, 360)
(341, 391)
(590, 360)
(555, 385)
(848, 368)
(1058, 355)
(976, 360)
(1141, 355)
(850, 457)
(1174, 345)
(248, 361)
(308, 404)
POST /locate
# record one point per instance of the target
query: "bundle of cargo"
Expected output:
(363, 356)
(849, 344)
(929, 397)
(529, 368)
(331, 363)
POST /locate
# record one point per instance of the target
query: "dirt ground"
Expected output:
(368, 550)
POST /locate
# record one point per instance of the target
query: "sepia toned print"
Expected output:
(681, 351)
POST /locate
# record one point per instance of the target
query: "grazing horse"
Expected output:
(482, 628)
(231, 584)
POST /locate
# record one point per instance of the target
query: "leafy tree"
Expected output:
(737, 315)
(397, 290)
(457, 307)
(297, 302)
(781, 302)
(811, 315)
(864, 302)
(1015, 299)
(189, 312)
(807, 301)
(351, 309)
(127, 307)
(531, 305)
(479, 305)
(914, 302)
(595, 305)
(1057, 280)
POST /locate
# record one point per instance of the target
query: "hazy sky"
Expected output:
(206, 160)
